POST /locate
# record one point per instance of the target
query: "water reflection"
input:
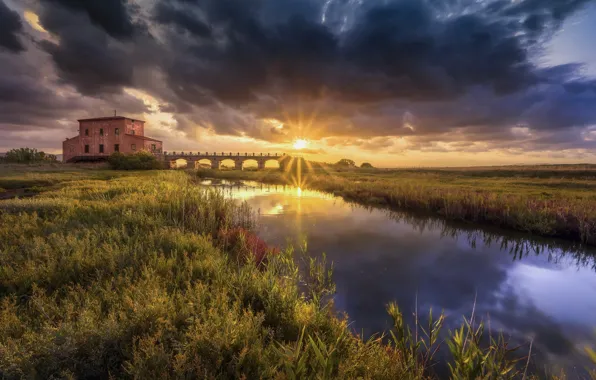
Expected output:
(530, 288)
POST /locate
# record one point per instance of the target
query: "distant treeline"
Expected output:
(343, 163)
(26, 156)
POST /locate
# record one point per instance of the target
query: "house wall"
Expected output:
(141, 144)
(94, 138)
(70, 148)
(148, 144)
(135, 127)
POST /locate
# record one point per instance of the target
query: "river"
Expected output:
(532, 289)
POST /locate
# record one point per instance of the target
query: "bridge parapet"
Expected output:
(238, 158)
(222, 154)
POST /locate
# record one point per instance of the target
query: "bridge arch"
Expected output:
(227, 163)
(203, 163)
(272, 163)
(178, 163)
(250, 163)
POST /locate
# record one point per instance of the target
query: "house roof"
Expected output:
(110, 118)
(143, 138)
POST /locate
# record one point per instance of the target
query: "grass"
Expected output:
(556, 201)
(142, 275)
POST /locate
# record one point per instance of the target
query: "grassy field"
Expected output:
(28, 180)
(557, 200)
(142, 275)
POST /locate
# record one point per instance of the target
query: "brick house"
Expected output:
(100, 137)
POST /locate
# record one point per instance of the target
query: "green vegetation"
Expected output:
(344, 162)
(31, 179)
(140, 275)
(366, 165)
(27, 156)
(558, 201)
(139, 161)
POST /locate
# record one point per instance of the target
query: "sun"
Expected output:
(300, 144)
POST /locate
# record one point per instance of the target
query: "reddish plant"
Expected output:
(246, 244)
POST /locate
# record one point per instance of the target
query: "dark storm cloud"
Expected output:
(405, 53)
(554, 10)
(10, 27)
(85, 53)
(37, 110)
(433, 59)
(167, 14)
(374, 69)
(395, 50)
(537, 16)
(91, 67)
(111, 15)
(28, 98)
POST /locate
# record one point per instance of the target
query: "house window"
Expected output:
(133, 146)
(100, 148)
(117, 131)
(153, 147)
(101, 131)
(87, 132)
(133, 131)
(116, 146)
(86, 148)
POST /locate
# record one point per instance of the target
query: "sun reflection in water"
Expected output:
(277, 210)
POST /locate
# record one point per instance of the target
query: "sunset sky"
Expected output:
(392, 82)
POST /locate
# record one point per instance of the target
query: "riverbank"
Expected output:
(135, 275)
(553, 201)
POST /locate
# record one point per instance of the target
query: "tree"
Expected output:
(27, 155)
(345, 162)
(366, 165)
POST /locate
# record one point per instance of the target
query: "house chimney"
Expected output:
(114, 112)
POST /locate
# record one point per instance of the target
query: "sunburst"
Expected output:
(300, 144)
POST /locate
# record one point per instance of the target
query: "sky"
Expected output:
(397, 83)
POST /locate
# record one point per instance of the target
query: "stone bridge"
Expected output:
(216, 159)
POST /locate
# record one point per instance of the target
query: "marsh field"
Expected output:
(113, 274)
(549, 200)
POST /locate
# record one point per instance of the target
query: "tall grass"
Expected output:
(135, 277)
(127, 278)
(555, 207)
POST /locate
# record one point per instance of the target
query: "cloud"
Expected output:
(403, 53)
(442, 75)
(398, 49)
(10, 27)
(37, 109)
(167, 14)
(113, 16)
(85, 55)
(555, 11)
